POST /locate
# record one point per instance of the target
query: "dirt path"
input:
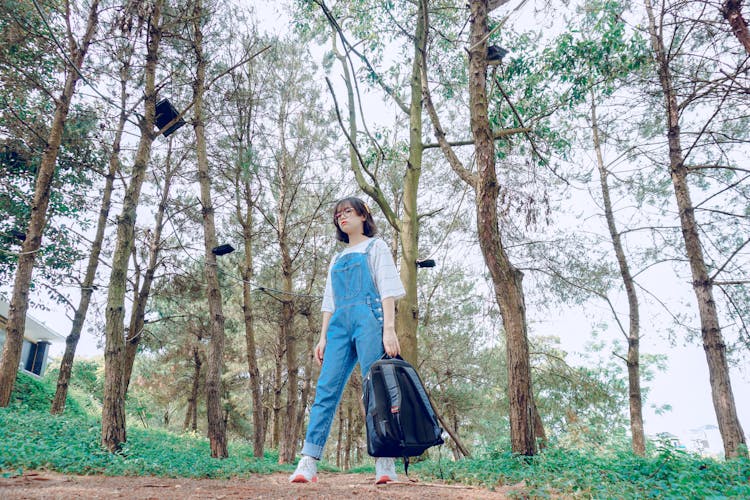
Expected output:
(51, 485)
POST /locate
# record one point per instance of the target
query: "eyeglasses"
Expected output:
(347, 212)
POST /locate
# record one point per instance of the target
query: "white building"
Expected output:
(37, 338)
(706, 440)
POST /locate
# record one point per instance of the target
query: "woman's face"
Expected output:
(348, 220)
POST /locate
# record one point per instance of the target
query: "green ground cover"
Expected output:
(30, 438)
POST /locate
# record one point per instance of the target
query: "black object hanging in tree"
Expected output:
(19, 235)
(495, 54)
(165, 113)
(222, 249)
(425, 263)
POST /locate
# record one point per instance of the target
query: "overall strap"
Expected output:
(369, 246)
(369, 266)
(337, 256)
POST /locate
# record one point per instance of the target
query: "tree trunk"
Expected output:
(506, 278)
(289, 435)
(286, 327)
(732, 12)
(633, 335)
(87, 287)
(340, 436)
(407, 312)
(278, 386)
(452, 432)
(19, 303)
(191, 416)
(137, 316)
(452, 414)
(349, 437)
(216, 422)
(713, 342)
(539, 434)
(312, 334)
(246, 220)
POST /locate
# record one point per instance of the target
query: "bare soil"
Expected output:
(52, 485)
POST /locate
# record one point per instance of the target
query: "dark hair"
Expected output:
(359, 206)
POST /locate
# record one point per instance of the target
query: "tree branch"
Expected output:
(373, 190)
(498, 134)
(729, 259)
(469, 177)
(349, 47)
(235, 66)
(542, 159)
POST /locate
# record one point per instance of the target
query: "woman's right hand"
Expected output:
(319, 350)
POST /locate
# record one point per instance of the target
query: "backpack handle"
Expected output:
(386, 356)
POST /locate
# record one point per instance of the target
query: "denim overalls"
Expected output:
(355, 333)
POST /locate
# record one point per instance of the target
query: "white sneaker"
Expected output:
(306, 472)
(385, 470)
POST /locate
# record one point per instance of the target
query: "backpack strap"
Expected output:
(417, 383)
(391, 383)
(394, 393)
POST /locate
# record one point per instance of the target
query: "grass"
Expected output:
(30, 438)
(666, 473)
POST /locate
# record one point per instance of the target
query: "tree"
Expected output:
(154, 243)
(76, 54)
(30, 68)
(125, 53)
(246, 89)
(113, 410)
(506, 278)
(713, 341)
(591, 63)
(294, 135)
(633, 335)
(216, 421)
(451, 331)
(168, 374)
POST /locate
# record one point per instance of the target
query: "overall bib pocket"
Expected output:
(348, 276)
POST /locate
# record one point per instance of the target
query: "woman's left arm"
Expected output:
(390, 340)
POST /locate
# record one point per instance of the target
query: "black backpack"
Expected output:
(400, 419)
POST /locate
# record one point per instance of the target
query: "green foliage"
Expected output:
(69, 201)
(598, 54)
(35, 395)
(85, 388)
(559, 472)
(581, 406)
(31, 439)
(31, 73)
